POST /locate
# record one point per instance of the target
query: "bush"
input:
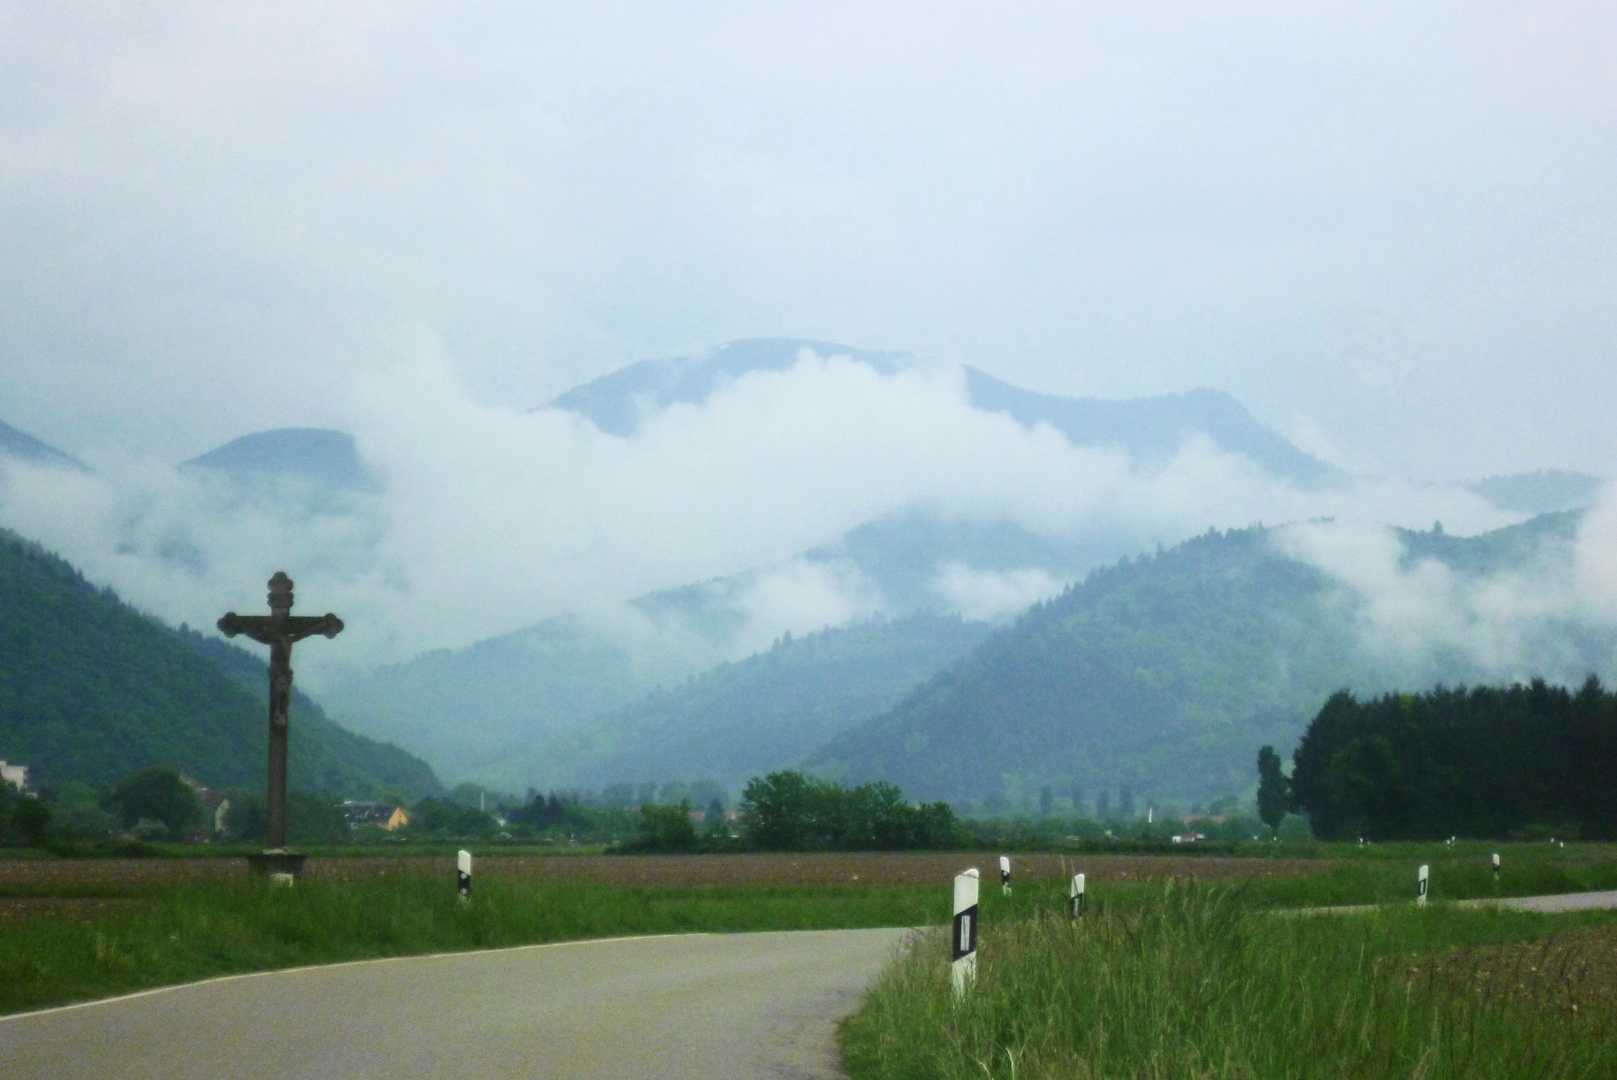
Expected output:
(787, 811)
(666, 828)
(159, 795)
(31, 819)
(310, 819)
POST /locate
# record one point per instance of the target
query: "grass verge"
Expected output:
(202, 929)
(1197, 981)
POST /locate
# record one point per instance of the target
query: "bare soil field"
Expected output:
(1570, 974)
(40, 877)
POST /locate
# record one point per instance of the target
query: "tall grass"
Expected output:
(1196, 982)
(201, 929)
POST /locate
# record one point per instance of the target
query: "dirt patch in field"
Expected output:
(61, 908)
(1574, 974)
(89, 875)
(874, 868)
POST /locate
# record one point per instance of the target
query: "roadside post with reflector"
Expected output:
(1005, 875)
(463, 874)
(1075, 903)
(964, 969)
(1420, 895)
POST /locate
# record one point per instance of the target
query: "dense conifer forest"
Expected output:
(1521, 762)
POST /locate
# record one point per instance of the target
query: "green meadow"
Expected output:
(1183, 979)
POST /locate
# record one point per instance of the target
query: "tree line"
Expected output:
(1512, 762)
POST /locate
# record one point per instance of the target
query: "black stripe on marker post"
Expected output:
(965, 932)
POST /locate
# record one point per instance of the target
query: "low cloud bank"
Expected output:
(1552, 614)
(493, 518)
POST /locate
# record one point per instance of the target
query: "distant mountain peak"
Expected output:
(1539, 492)
(20, 444)
(326, 457)
(617, 402)
(1152, 429)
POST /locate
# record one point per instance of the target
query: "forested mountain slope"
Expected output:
(1166, 673)
(92, 690)
(738, 720)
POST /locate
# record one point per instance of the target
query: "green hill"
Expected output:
(1168, 672)
(738, 720)
(92, 690)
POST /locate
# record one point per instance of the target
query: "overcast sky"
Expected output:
(1390, 229)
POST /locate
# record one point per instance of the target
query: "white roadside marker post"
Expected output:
(1075, 904)
(463, 873)
(963, 970)
(1420, 895)
(1005, 875)
(1496, 866)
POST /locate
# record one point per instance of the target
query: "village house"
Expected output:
(214, 804)
(383, 815)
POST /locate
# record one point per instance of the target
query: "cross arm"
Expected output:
(299, 627)
(261, 628)
(269, 629)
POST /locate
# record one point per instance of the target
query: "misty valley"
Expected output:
(1033, 660)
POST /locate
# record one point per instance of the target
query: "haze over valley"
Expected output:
(1062, 397)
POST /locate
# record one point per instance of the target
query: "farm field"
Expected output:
(76, 929)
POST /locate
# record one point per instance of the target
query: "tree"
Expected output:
(778, 811)
(161, 795)
(1274, 790)
(666, 828)
(787, 811)
(32, 817)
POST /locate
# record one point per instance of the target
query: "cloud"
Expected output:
(216, 217)
(1551, 615)
(493, 518)
(994, 596)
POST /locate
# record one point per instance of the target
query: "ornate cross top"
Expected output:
(280, 626)
(279, 630)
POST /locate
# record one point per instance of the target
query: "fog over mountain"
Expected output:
(520, 574)
(483, 521)
(428, 306)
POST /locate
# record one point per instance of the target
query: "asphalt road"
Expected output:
(713, 1006)
(1552, 905)
(1549, 905)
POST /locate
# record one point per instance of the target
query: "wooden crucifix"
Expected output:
(279, 630)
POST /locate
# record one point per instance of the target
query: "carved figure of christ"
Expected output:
(280, 629)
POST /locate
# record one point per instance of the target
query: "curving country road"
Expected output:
(710, 1006)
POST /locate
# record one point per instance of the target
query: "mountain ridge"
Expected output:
(93, 690)
(1166, 672)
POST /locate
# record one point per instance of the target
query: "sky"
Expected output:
(1389, 229)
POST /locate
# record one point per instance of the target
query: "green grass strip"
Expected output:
(203, 929)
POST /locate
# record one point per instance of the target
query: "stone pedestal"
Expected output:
(275, 862)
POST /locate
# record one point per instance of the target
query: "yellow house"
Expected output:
(397, 820)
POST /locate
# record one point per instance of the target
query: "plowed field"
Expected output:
(90, 876)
